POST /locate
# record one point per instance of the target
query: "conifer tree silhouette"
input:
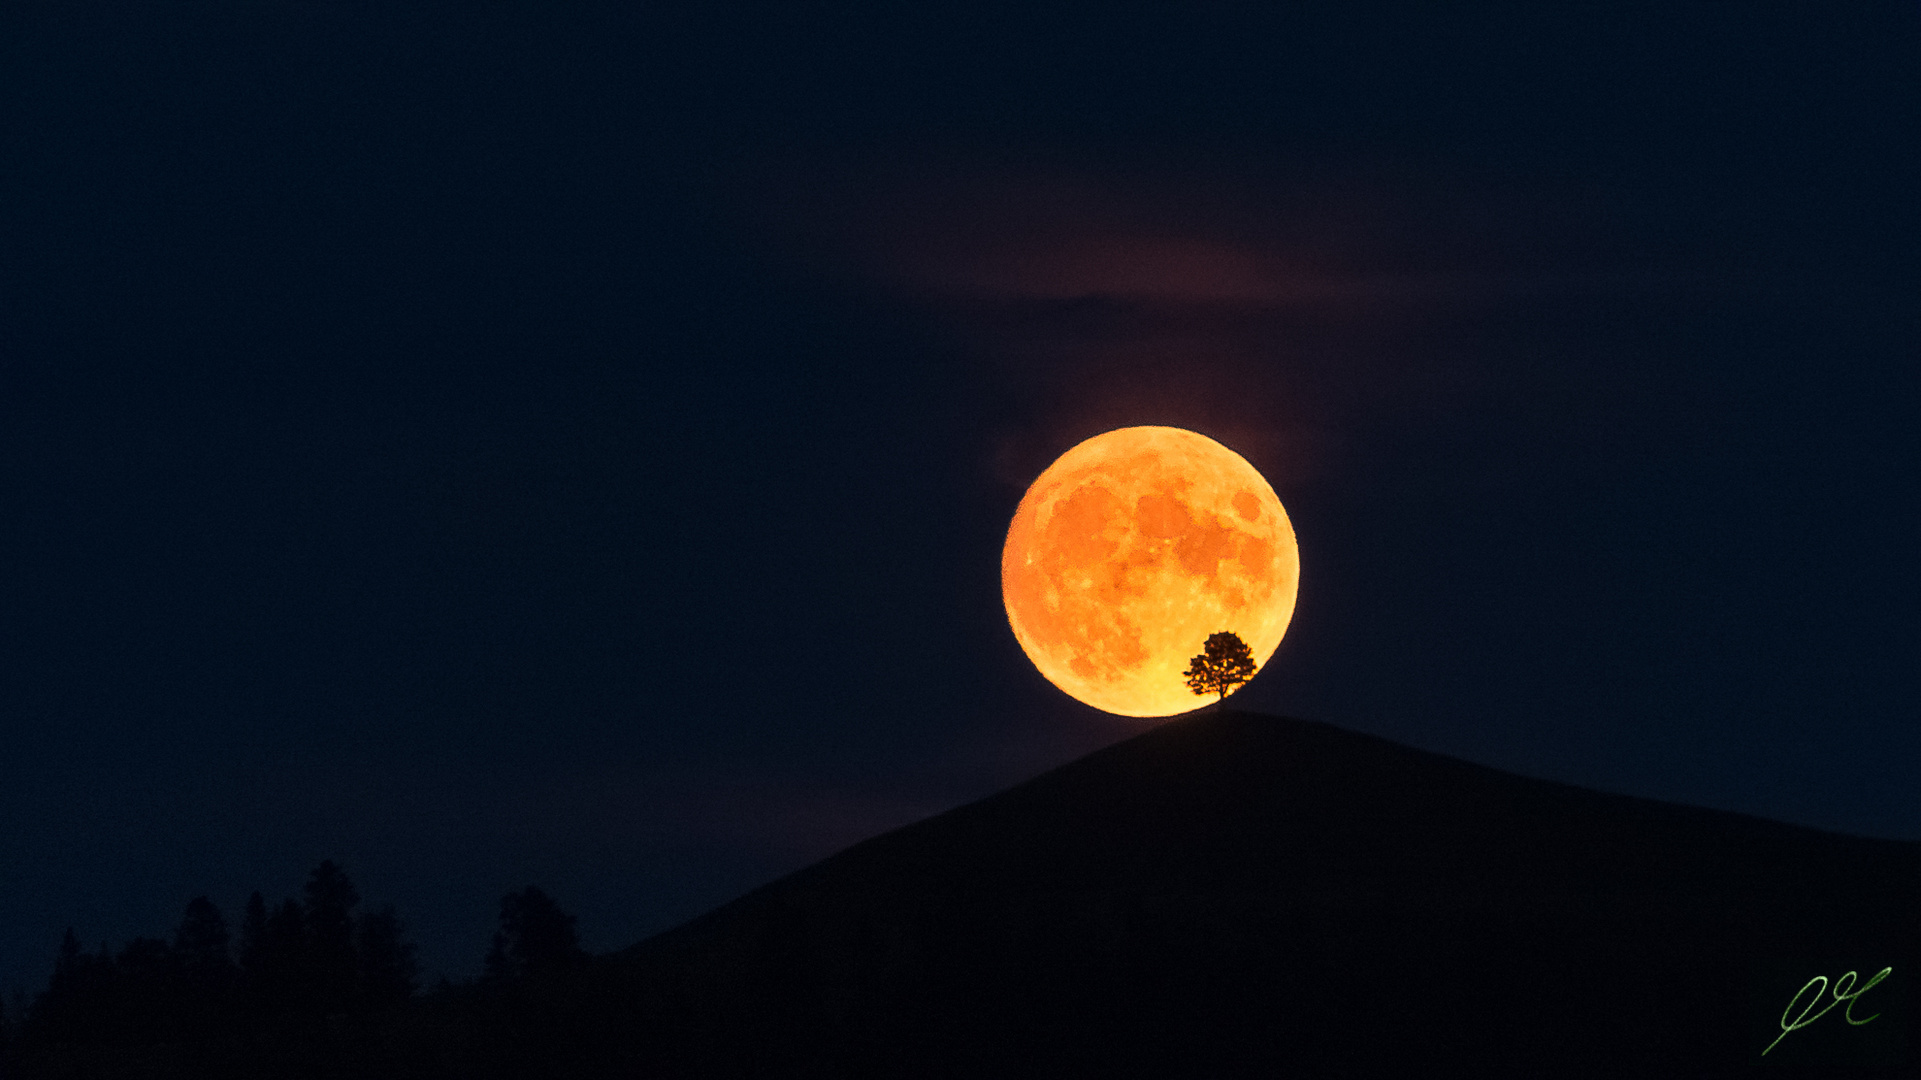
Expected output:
(67, 962)
(67, 1009)
(202, 944)
(143, 1001)
(206, 969)
(328, 917)
(278, 981)
(387, 968)
(1224, 663)
(47, 1005)
(253, 933)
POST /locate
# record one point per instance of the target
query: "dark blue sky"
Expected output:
(487, 447)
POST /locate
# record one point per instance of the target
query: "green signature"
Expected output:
(1840, 986)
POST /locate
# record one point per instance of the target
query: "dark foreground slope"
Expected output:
(1250, 895)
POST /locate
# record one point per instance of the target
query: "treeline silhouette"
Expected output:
(308, 988)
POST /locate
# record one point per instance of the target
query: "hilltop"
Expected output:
(1238, 894)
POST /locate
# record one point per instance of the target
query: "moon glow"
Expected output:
(1133, 547)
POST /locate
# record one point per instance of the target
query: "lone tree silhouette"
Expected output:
(1224, 664)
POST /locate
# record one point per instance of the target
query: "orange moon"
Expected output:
(1130, 550)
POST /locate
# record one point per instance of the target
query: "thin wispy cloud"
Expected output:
(1293, 315)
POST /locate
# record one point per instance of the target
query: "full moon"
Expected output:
(1130, 550)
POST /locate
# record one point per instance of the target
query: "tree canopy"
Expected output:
(535, 936)
(1224, 663)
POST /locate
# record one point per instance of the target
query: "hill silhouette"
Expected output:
(1241, 895)
(1226, 895)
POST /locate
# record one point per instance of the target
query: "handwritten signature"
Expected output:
(1840, 985)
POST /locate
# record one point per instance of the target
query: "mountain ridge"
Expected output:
(1570, 795)
(1238, 894)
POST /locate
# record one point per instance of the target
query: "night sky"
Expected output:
(572, 445)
